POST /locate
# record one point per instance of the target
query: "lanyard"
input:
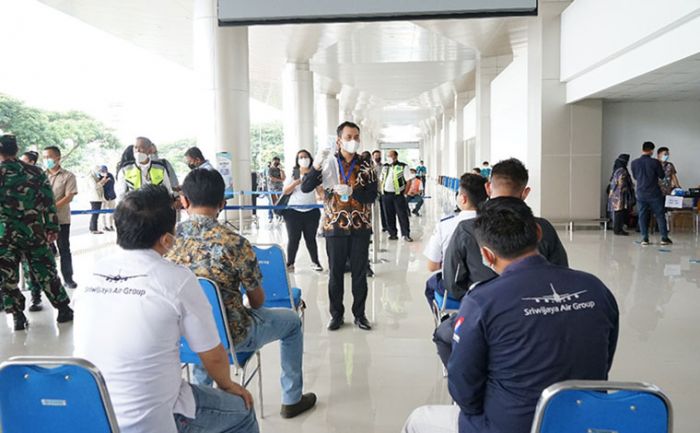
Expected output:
(346, 177)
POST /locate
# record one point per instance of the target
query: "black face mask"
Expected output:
(277, 164)
(192, 165)
(377, 160)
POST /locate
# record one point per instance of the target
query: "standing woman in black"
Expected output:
(303, 221)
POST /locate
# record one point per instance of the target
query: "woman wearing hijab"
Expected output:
(621, 195)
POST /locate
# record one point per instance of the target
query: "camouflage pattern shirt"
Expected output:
(213, 251)
(27, 207)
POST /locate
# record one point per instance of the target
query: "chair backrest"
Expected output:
(273, 267)
(58, 394)
(211, 291)
(602, 407)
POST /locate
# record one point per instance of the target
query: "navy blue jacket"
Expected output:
(647, 172)
(534, 325)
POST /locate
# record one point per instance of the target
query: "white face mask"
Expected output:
(392, 160)
(140, 157)
(304, 162)
(350, 146)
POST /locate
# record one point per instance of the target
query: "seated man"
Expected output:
(509, 345)
(130, 318)
(471, 195)
(463, 265)
(211, 250)
(414, 192)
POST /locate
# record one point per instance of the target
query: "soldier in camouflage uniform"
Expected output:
(28, 223)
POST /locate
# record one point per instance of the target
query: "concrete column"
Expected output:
(439, 137)
(564, 141)
(221, 70)
(459, 158)
(447, 117)
(298, 103)
(487, 69)
(327, 118)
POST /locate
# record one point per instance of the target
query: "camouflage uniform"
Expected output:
(27, 212)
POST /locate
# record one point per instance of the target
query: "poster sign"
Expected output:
(224, 163)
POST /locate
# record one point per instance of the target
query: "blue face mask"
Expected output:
(665, 158)
(49, 163)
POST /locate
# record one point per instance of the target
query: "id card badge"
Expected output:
(344, 198)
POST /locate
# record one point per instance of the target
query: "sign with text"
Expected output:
(246, 12)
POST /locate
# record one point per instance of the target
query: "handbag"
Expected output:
(282, 201)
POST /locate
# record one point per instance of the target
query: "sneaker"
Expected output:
(666, 241)
(71, 284)
(307, 401)
(65, 314)
(20, 321)
(645, 242)
(317, 267)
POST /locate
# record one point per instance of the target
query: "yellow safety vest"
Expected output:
(132, 175)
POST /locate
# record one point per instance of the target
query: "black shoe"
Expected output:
(96, 232)
(335, 323)
(20, 321)
(36, 306)
(65, 314)
(363, 323)
(307, 401)
(666, 241)
(407, 239)
(645, 242)
(622, 233)
(393, 238)
(71, 284)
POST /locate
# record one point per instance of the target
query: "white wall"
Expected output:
(509, 112)
(674, 124)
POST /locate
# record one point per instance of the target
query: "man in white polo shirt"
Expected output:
(131, 315)
(471, 195)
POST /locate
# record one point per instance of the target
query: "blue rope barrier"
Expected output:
(234, 207)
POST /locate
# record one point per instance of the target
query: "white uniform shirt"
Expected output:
(298, 197)
(437, 245)
(128, 321)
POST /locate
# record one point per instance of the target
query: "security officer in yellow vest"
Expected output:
(142, 171)
(393, 189)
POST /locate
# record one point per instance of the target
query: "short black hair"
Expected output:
(194, 153)
(143, 216)
(512, 172)
(474, 187)
(54, 149)
(485, 163)
(344, 125)
(662, 149)
(276, 158)
(32, 156)
(507, 227)
(647, 146)
(8, 145)
(476, 170)
(204, 188)
(376, 151)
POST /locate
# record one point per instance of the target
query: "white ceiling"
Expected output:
(394, 73)
(679, 81)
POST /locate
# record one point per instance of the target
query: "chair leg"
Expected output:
(260, 389)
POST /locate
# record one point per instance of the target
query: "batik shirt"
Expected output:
(213, 251)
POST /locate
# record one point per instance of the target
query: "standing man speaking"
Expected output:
(350, 186)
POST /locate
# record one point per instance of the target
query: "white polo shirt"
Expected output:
(437, 245)
(128, 321)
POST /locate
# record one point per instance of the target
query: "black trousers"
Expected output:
(442, 337)
(619, 218)
(396, 205)
(382, 214)
(339, 248)
(94, 205)
(63, 243)
(298, 224)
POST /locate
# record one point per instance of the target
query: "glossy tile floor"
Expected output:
(370, 381)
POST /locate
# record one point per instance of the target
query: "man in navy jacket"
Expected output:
(534, 325)
(647, 172)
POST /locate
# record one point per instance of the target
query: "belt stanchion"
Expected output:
(240, 211)
(375, 232)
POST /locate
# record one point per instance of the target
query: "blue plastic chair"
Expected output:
(443, 304)
(275, 282)
(54, 394)
(601, 406)
(239, 359)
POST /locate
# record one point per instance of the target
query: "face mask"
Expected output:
(49, 163)
(140, 157)
(350, 146)
(304, 162)
(378, 160)
(666, 157)
(392, 160)
(192, 166)
(155, 155)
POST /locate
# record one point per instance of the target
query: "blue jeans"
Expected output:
(418, 200)
(657, 207)
(432, 285)
(217, 412)
(272, 324)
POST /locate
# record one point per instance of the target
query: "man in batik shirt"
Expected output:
(213, 251)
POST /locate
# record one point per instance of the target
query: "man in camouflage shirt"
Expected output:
(28, 223)
(212, 250)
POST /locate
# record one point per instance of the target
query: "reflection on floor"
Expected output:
(370, 381)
